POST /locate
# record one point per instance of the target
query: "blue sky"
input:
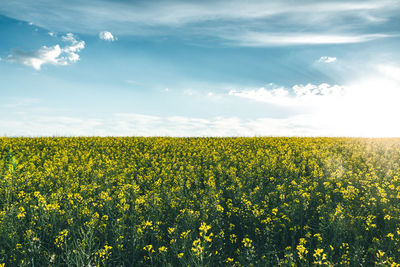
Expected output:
(199, 68)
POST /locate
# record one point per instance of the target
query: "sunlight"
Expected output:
(368, 108)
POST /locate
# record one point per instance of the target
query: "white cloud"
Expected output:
(277, 96)
(326, 59)
(309, 94)
(323, 89)
(259, 39)
(38, 57)
(107, 36)
(365, 107)
(53, 55)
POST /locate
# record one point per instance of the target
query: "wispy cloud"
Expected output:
(53, 55)
(23, 102)
(326, 59)
(259, 39)
(107, 36)
(132, 124)
(184, 12)
(249, 23)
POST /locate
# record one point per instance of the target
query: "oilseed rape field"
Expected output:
(199, 201)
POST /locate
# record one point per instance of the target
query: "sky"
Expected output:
(200, 68)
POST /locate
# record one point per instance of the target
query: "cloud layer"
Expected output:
(365, 108)
(299, 96)
(249, 23)
(132, 124)
(53, 55)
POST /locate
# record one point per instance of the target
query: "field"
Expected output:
(199, 201)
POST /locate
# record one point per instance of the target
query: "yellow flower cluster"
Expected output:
(60, 239)
(199, 201)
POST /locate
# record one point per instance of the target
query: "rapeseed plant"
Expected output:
(199, 201)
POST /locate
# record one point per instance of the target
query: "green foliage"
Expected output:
(199, 201)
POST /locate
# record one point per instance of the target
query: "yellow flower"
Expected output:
(318, 252)
(247, 242)
(162, 249)
(197, 248)
(208, 238)
(147, 224)
(196, 242)
(21, 213)
(220, 208)
(229, 260)
(59, 241)
(380, 254)
(149, 248)
(233, 238)
(204, 228)
(180, 255)
(274, 211)
(318, 236)
(185, 234)
(104, 253)
(301, 251)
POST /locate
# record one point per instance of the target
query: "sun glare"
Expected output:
(369, 108)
